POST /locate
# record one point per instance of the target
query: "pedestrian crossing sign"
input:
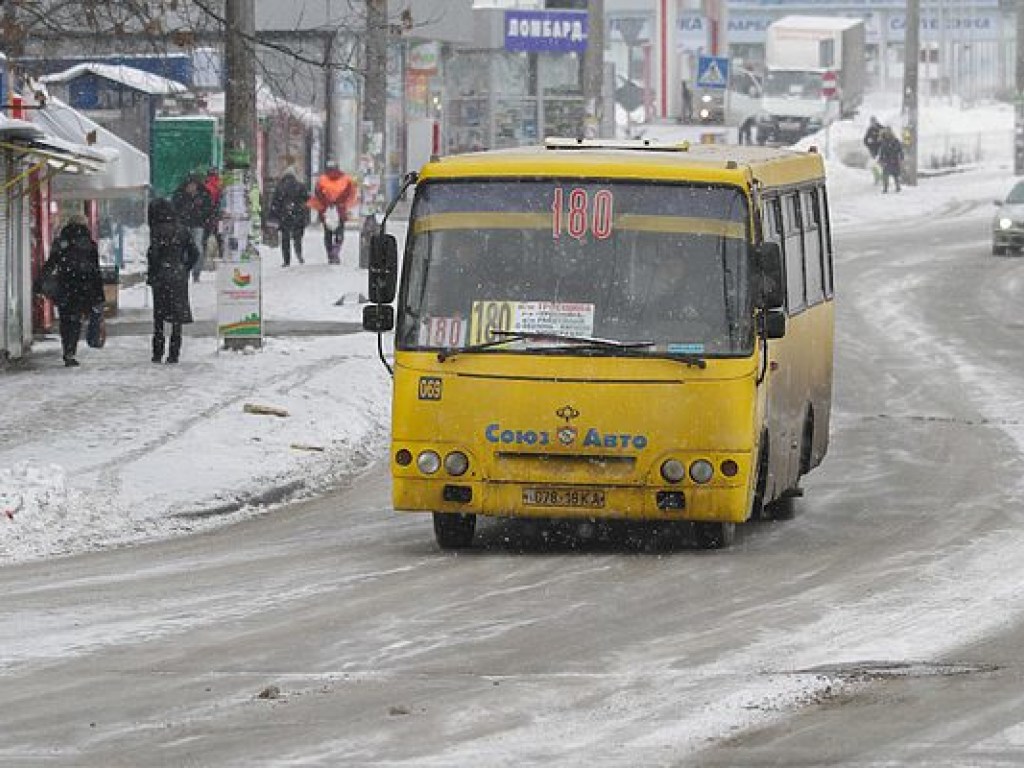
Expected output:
(712, 72)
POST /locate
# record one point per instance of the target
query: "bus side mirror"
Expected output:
(378, 317)
(772, 291)
(383, 271)
(774, 323)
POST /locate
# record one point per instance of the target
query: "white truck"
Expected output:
(814, 74)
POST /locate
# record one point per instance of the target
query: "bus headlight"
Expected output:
(673, 471)
(456, 463)
(701, 471)
(428, 462)
(1005, 223)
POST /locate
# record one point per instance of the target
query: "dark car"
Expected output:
(1008, 224)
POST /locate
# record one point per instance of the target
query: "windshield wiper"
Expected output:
(507, 337)
(589, 341)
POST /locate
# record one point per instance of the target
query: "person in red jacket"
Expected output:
(334, 194)
(213, 186)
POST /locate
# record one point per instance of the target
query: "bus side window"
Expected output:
(826, 241)
(793, 253)
(812, 247)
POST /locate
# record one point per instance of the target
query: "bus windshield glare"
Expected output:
(662, 264)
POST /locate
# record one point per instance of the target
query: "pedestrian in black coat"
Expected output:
(890, 157)
(195, 209)
(288, 207)
(71, 278)
(172, 254)
(873, 137)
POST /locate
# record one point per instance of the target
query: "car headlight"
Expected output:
(706, 98)
(1005, 223)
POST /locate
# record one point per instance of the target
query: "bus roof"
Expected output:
(631, 159)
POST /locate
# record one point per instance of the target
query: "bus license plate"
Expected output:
(563, 497)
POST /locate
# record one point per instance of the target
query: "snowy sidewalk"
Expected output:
(122, 449)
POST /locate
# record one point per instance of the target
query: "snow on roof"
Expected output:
(267, 103)
(147, 82)
(12, 128)
(127, 171)
(68, 156)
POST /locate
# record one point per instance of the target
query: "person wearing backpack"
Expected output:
(288, 209)
(334, 194)
(71, 278)
(171, 256)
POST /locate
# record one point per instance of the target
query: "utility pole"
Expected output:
(375, 104)
(240, 310)
(240, 80)
(911, 56)
(1018, 102)
(593, 71)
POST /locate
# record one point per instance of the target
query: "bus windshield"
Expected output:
(660, 268)
(795, 84)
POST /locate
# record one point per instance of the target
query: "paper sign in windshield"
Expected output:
(564, 319)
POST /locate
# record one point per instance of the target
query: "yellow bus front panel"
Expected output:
(550, 443)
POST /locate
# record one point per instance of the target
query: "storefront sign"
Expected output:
(546, 31)
(832, 7)
(423, 57)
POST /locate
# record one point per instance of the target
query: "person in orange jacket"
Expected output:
(334, 194)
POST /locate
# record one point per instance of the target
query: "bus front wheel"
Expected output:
(453, 530)
(714, 535)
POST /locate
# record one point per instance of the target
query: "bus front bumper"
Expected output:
(710, 503)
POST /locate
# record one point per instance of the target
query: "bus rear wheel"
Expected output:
(714, 535)
(453, 530)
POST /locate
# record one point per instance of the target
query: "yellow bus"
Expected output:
(615, 330)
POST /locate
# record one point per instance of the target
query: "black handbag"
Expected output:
(49, 286)
(96, 331)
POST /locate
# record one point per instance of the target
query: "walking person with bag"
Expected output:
(334, 194)
(890, 157)
(171, 256)
(71, 278)
(288, 209)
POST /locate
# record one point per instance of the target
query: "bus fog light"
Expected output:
(673, 471)
(701, 471)
(428, 462)
(456, 463)
(403, 458)
(729, 468)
